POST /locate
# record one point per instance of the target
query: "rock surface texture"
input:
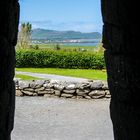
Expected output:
(48, 88)
(120, 39)
(9, 18)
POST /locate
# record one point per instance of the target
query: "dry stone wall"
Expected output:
(49, 88)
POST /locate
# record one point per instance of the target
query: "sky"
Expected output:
(77, 15)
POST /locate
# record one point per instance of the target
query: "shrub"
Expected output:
(59, 59)
(57, 47)
(35, 47)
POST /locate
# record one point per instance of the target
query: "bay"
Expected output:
(80, 44)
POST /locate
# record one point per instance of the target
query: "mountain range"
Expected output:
(43, 34)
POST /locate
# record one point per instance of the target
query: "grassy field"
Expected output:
(67, 47)
(81, 73)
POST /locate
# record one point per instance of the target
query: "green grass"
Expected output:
(67, 47)
(82, 73)
(26, 77)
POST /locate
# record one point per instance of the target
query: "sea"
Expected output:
(81, 44)
(89, 42)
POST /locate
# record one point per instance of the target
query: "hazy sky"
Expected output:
(78, 15)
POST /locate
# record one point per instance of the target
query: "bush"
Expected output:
(57, 47)
(59, 59)
(35, 47)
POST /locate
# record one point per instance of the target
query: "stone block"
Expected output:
(69, 91)
(24, 84)
(66, 95)
(96, 85)
(28, 93)
(19, 93)
(97, 94)
(81, 92)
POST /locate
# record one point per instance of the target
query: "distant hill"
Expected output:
(62, 35)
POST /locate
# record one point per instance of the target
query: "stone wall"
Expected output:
(49, 88)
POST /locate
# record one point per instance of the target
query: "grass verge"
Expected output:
(26, 77)
(81, 73)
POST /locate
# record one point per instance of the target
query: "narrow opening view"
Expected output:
(60, 75)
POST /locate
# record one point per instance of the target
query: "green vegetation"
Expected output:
(25, 77)
(65, 47)
(82, 73)
(59, 59)
(76, 61)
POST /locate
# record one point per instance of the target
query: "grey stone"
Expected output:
(19, 93)
(54, 81)
(49, 91)
(107, 94)
(23, 84)
(16, 82)
(82, 92)
(96, 85)
(59, 87)
(105, 86)
(79, 97)
(29, 93)
(46, 81)
(57, 93)
(93, 92)
(84, 85)
(96, 94)
(40, 89)
(48, 85)
(45, 85)
(35, 94)
(32, 84)
(17, 87)
(41, 82)
(71, 87)
(87, 97)
(29, 89)
(74, 97)
(47, 95)
(69, 91)
(37, 83)
(42, 92)
(66, 95)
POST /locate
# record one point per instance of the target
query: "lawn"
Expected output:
(82, 73)
(66, 47)
(25, 77)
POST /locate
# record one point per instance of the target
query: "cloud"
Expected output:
(63, 26)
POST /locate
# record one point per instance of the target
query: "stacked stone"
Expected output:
(48, 88)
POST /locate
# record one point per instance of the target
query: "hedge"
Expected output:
(59, 59)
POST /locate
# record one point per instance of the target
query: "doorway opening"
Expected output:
(72, 29)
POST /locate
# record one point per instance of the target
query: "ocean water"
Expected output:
(81, 44)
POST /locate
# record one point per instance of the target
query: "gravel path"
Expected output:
(40, 118)
(53, 76)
